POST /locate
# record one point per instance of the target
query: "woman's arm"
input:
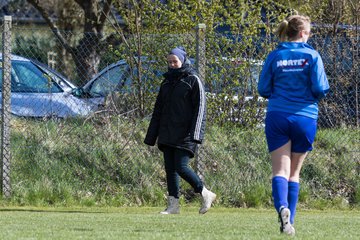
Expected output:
(199, 108)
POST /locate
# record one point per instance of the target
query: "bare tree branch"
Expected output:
(118, 29)
(105, 12)
(94, 20)
(50, 22)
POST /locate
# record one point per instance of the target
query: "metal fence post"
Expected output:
(200, 67)
(6, 105)
(200, 50)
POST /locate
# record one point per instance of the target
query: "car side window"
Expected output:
(28, 78)
(108, 81)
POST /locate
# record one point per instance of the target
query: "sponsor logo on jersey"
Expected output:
(292, 63)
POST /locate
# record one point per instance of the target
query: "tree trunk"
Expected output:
(87, 57)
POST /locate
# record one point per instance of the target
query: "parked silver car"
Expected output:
(38, 91)
(119, 77)
(225, 81)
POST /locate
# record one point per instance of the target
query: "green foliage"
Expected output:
(103, 162)
(175, 24)
(257, 196)
(330, 172)
(33, 46)
(357, 195)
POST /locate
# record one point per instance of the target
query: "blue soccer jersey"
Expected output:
(293, 79)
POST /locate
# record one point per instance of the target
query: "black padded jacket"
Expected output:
(179, 115)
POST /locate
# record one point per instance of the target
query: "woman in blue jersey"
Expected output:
(293, 80)
(178, 125)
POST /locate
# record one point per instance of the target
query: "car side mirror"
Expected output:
(79, 92)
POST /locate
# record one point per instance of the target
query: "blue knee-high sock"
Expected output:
(293, 197)
(280, 192)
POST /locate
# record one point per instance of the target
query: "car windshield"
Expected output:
(58, 77)
(26, 77)
(121, 79)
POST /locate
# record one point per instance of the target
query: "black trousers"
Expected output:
(177, 164)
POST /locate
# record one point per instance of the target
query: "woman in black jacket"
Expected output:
(178, 124)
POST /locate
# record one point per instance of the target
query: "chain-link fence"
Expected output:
(6, 101)
(86, 125)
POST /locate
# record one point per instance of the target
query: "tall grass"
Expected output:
(103, 162)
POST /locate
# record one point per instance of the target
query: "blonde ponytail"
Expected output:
(289, 29)
(281, 31)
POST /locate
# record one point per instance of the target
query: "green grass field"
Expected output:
(146, 223)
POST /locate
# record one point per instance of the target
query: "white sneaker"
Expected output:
(172, 207)
(207, 198)
(285, 225)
